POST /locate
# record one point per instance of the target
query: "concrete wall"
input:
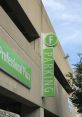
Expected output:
(63, 106)
(10, 33)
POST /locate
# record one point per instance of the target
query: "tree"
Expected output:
(76, 96)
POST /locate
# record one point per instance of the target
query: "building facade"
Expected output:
(21, 25)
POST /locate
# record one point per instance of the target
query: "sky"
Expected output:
(66, 18)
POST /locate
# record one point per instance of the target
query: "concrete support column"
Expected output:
(41, 112)
(30, 112)
(37, 113)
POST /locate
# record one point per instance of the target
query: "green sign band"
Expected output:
(14, 65)
(48, 72)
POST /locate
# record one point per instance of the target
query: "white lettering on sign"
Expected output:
(12, 62)
(50, 39)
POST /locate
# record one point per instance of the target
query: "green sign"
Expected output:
(14, 65)
(48, 72)
(51, 40)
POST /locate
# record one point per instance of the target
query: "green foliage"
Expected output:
(78, 72)
(76, 96)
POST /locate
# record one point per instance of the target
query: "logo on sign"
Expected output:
(51, 40)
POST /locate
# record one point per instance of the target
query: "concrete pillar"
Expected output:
(31, 112)
(37, 113)
(41, 112)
